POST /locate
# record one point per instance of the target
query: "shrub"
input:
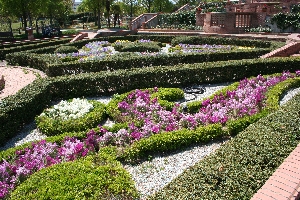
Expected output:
(66, 49)
(50, 126)
(94, 177)
(70, 32)
(242, 165)
(140, 47)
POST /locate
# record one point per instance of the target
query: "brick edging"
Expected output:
(284, 184)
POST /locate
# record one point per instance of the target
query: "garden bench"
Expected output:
(6, 36)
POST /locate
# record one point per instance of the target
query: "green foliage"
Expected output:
(170, 141)
(285, 20)
(66, 49)
(94, 177)
(220, 41)
(242, 165)
(51, 127)
(177, 18)
(70, 32)
(138, 47)
(29, 101)
(212, 7)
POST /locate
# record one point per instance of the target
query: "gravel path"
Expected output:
(16, 78)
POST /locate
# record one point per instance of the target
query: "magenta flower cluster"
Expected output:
(246, 100)
(43, 154)
(145, 116)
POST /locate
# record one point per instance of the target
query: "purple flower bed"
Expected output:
(101, 49)
(145, 117)
(188, 48)
(43, 154)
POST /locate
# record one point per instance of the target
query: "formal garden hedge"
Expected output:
(53, 66)
(32, 99)
(268, 146)
(255, 152)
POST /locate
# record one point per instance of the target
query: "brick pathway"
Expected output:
(284, 184)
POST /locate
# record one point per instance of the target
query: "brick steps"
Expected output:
(285, 51)
(79, 37)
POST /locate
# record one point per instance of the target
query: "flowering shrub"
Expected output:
(91, 51)
(100, 50)
(259, 29)
(2, 83)
(43, 154)
(145, 116)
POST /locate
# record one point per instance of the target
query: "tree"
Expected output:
(148, 4)
(130, 7)
(116, 9)
(26, 9)
(163, 6)
(107, 6)
(180, 3)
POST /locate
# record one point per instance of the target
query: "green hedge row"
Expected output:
(165, 142)
(220, 40)
(55, 67)
(30, 46)
(31, 100)
(133, 61)
(97, 176)
(51, 126)
(241, 166)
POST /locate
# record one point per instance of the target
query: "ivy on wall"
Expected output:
(288, 20)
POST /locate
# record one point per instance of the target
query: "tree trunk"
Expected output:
(99, 18)
(95, 15)
(24, 16)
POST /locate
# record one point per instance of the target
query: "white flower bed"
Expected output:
(66, 110)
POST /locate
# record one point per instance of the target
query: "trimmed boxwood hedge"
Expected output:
(57, 68)
(242, 165)
(98, 176)
(173, 141)
(31, 100)
(29, 46)
(51, 127)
